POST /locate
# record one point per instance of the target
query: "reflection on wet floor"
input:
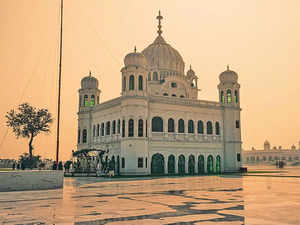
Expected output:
(175, 200)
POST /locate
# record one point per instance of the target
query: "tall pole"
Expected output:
(59, 80)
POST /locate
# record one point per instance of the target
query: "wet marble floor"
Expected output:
(220, 200)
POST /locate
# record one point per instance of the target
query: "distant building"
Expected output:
(158, 125)
(270, 155)
(7, 163)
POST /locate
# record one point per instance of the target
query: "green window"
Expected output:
(140, 83)
(229, 96)
(86, 100)
(92, 101)
(131, 82)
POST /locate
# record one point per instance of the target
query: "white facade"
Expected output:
(158, 124)
(270, 155)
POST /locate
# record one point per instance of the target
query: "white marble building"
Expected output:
(158, 124)
(270, 155)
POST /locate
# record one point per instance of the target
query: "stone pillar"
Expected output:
(136, 127)
(186, 164)
(196, 164)
(166, 164)
(205, 163)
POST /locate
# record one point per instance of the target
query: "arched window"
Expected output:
(86, 100)
(98, 129)
(141, 128)
(78, 137)
(149, 76)
(84, 136)
(123, 128)
(108, 128)
(191, 129)
(114, 127)
(218, 164)
(173, 95)
(92, 103)
(157, 124)
(222, 97)
(217, 128)
(98, 99)
(181, 96)
(209, 128)
(130, 128)
(229, 96)
(171, 127)
(131, 82)
(236, 96)
(102, 129)
(124, 84)
(155, 76)
(140, 83)
(180, 126)
(119, 126)
(165, 94)
(200, 127)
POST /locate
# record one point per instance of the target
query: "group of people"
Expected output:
(18, 166)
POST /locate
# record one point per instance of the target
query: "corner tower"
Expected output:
(89, 97)
(134, 74)
(229, 95)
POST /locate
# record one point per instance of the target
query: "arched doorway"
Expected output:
(112, 164)
(210, 164)
(171, 164)
(191, 164)
(201, 165)
(157, 164)
(218, 164)
(118, 165)
(181, 164)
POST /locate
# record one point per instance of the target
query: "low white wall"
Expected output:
(31, 180)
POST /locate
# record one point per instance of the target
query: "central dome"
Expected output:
(163, 57)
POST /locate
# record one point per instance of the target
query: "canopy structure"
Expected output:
(85, 152)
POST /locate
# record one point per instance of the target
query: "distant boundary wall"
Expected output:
(31, 180)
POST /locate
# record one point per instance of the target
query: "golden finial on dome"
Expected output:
(90, 73)
(159, 17)
(135, 49)
(227, 66)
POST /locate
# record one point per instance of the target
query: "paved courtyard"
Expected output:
(261, 199)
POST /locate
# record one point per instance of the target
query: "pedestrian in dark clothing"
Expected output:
(18, 166)
(60, 166)
(54, 167)
(14, 166)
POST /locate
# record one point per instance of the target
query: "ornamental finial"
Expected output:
(227, 66)
(134, 48)
(90, 73)
(159, 17)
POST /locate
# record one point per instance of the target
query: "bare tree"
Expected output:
(28, 122)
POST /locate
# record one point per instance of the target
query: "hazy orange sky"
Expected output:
(260, 39)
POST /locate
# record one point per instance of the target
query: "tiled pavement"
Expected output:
(176, 200)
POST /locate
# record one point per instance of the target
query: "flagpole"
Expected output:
(59, 81)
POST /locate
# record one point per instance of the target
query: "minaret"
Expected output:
(89, 97)
(229, 95)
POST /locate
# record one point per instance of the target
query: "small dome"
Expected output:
(135, 59)
(190, 73)
(267, 142)
(228, 76)
(89, 82)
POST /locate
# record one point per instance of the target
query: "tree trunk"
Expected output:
(30, 146)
